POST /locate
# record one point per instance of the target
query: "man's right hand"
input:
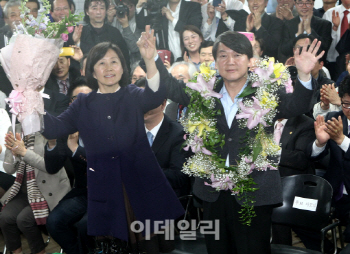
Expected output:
(286, 12)
(111, 13)
(335, 20)
(300, 28)
(320, 131)
(77, 34)
(140, 3)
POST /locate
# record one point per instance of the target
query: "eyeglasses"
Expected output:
(307, 4)
(345, 105)
(61, 9)
(74, 98)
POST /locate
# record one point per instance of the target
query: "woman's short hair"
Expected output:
(191, 28)
(96, 54)
(235, 41)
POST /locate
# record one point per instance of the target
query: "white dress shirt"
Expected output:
(333, 53)
(173, 36)
(155, 129)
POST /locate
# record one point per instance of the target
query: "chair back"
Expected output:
(306, 202)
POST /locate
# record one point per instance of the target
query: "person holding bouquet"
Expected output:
(125, 182)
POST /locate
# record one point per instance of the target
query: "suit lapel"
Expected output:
(288, 130)
(162, 135)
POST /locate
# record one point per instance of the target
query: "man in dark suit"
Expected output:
(176, 15)
(57, 102)
(264, 26)
(307, 23)
(166, 138)
(332, 136)
(232, 52)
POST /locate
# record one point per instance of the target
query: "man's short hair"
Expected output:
(206, 44)
(344, 87)
(86, 7)
(235, 41)
(35, 1)
(78, 82)
(191, 67)
(9, 4)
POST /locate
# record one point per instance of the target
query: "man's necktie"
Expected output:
(344, 23)
(64, 85)
(150, 138)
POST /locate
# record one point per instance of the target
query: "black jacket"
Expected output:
(89, 38)
(297, 134)
(320, 28)
(167, 149)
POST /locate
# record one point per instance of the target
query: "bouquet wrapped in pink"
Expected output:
(28, 61)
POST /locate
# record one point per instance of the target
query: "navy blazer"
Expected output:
(120, 161)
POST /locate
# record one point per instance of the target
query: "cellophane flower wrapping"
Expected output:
(28, 62)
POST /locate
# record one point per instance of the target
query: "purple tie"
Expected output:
(278, 132)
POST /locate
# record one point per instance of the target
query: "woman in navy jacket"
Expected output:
(120, 161)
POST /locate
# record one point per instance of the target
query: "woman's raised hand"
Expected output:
(147, 44)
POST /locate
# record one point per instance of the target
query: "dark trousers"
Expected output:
(67, 224)
(17, 217)
(236, 238)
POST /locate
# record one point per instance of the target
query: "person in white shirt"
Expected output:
(340, 17)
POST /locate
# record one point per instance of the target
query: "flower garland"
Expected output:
(41, 26)
(203, 137)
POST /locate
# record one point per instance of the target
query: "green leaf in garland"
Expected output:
(247, 91)
(256, 150)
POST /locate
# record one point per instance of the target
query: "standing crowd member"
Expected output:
(233, 53)
(119, 158)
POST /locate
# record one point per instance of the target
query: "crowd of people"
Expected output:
(111, 150)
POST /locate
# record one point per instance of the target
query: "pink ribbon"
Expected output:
(14, 101)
